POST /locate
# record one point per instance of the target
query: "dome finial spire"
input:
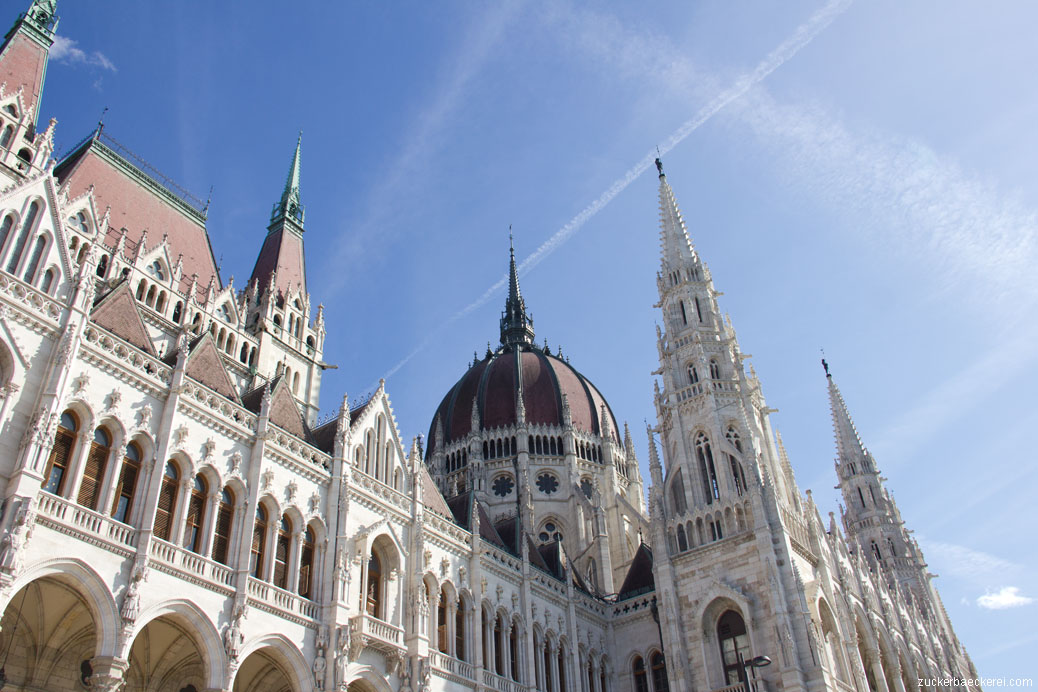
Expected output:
(516, 324)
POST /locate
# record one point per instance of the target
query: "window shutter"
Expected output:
(222, 539)
(93, 475)
(164, 514)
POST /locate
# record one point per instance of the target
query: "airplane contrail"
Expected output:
(803, 35)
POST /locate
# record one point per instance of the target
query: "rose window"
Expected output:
(503, 486)
(547, 483)
(549, 533)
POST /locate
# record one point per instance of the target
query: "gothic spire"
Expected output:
(848, 444)
(291, 205)
(675, 244)
(516, 324)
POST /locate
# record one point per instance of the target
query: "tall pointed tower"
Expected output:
(23, 57)
(726, 520)
(277, 302)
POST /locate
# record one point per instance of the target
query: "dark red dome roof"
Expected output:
(494, 381)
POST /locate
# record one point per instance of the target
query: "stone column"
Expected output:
(109, 673)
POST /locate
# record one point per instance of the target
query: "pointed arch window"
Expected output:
(196, 514)
(306, 564)
(224, 523)
(715, 370)
(862, 498)
(735, 644)
(659, 672)
(373, 604)
(94, 469)
(23, 237)
(167, 501)
(34, 259)
(61, 453)
(5, 230)
(733, 437)
(641, 678)
(259, 542)
(693, 376)
(441, 622)
(682, 539)
(699, 312)
(513, 650)
(281, 551)
(705, 457)
(126, 486)
(677, 492)
(460, 631)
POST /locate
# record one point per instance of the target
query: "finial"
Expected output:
(101, 122)
(511, 246)
(825, 364)
(659, 162)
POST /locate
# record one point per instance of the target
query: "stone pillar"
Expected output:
(109, 673)
(553, 663)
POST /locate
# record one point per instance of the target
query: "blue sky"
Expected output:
(858, 175)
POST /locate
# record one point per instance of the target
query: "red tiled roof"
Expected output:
(282, 252)
(137, 206)
(117, 312)
(23, 63)
(493, 383)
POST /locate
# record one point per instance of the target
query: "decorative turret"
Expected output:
(516, 324)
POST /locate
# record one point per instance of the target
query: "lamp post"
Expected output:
(754, 663)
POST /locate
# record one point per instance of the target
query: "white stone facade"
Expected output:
(175, 518)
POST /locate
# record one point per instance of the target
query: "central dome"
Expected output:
(493, 385)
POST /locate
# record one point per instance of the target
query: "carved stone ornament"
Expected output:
(80, 383)
(17, 536)
(113, 400)
(180, 435)
(266, 479)
(315, 502)
(290, 491)
(144, 417)
(236, 463)
(208, 448)
(445, 565)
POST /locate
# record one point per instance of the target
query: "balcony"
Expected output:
(451, 668)
(85, 524)
(190, 566)
(371, 632)
(281, 602)
(496, 682)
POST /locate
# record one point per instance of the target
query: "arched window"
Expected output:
(737, 475)
(706, 468)
(513, 650)
(178, 310)
(5, 138)
(693, 376)
(94, 469)
(459, 631)
(281, 550)
(5, 230)
(126, 486)
(23, 237)
(224, 523)
(102, 266)
(731, 633)
(499, 647)
(441, 623)
(259, 542)
(306, 564)
(61, 453)
(682, 539)
(167, 501)
(715, 373)
(677, 491)
(547, 667)
(890, 546)
(373, 604)
(48, 280)
(733, 437)
(34, 260)
(659, 673)
(640, 677)
(196, 514)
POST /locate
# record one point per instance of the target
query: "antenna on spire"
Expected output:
(511, 246)
(101, 121)
(659, 162)
(824, 363)
(209, 199)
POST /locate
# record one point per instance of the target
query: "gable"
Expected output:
(205, 365)
(283, 410)
(117, 312)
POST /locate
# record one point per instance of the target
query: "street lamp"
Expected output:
(754, 663)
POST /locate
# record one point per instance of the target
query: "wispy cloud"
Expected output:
(421, 141)
(973, 566)
(803, 35)
(66, 50)
(1004, 598)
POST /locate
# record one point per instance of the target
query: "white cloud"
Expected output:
(66, 51)
(1006, 597)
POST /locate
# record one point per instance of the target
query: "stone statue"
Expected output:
(131, 600)
(342, 655)
(233, 637)
(319, 669)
